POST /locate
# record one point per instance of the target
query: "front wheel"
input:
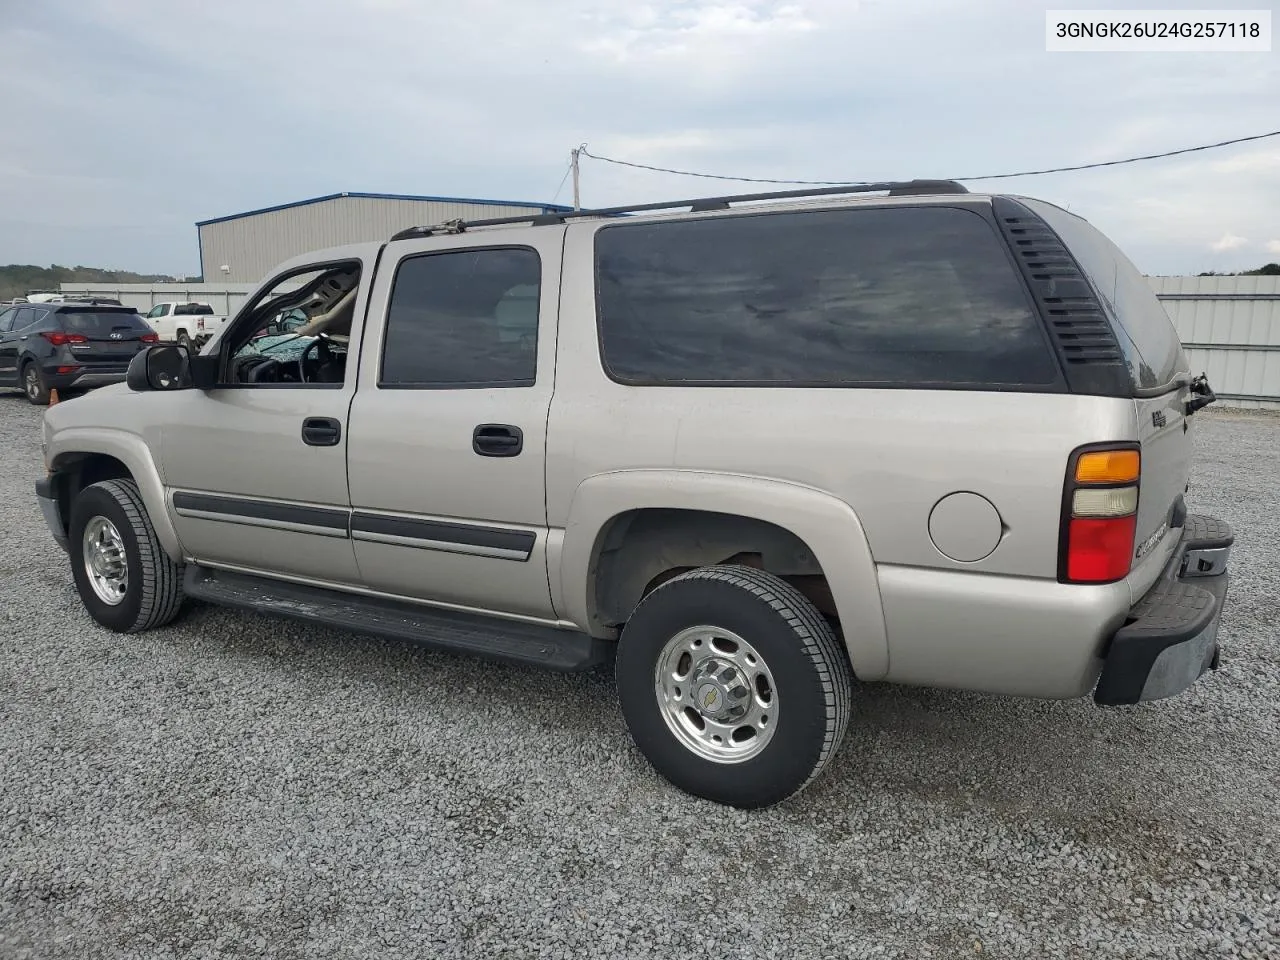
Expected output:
(125, 579)
(733, 685)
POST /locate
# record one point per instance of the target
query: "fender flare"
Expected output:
(133, 452)
(826, 524)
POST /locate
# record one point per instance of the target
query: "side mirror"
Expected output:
(166, 367)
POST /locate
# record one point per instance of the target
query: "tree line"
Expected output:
(19, 279)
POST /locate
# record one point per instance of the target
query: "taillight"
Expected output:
(150, 338)
(62, 339)
(1100, 514)
(200, 324)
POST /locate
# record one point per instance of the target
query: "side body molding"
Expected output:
(826, 524)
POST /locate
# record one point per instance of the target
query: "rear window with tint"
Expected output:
(193, 310)
(1146, 334)
(896, 296)
(101, 323)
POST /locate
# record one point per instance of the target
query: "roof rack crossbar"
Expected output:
(902, 188)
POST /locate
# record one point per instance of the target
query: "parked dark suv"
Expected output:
(71, 345)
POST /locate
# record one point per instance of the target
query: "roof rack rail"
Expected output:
(901, 188)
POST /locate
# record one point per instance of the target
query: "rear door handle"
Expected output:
(497, 440)
(321, 432)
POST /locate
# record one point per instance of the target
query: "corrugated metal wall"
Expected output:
(252, 245)
(1230, 328)
(225, 298)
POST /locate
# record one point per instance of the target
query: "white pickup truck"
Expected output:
(189, 323)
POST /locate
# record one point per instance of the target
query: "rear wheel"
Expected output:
(33, 384)
(125, 579)
(733, 685)
(184, 340)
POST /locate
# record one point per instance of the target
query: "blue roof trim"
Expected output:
(544, 207)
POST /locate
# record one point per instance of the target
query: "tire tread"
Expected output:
(813, 632)
(161, 578)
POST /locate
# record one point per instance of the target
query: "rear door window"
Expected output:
(893, 296)
(1147, 336)
(465, 318)
(193, 310)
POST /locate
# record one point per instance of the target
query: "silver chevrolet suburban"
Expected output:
(748, 449)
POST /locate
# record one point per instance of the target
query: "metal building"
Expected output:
(244, 247)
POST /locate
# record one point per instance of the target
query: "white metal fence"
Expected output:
(1230, 326)
(225, 298)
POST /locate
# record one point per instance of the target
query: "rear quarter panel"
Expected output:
(889, 455)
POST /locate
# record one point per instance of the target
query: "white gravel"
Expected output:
(240, 786)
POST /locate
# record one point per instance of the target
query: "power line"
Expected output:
(990, 176)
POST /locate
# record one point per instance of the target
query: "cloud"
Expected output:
(1273, 246)
(1228, 241)
(133, 126)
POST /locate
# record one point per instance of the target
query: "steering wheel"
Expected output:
(308, 367)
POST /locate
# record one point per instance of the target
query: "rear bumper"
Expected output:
(88, 375)
(1170, 638)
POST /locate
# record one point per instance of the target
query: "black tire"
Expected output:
(185, 341)
(153, 594)
(809, 667)
(33, 384)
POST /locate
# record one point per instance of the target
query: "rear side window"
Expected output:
(193, 310)
(28, 316)
(101, 323)
(1147, 336)
(464, 319)
(895, 296)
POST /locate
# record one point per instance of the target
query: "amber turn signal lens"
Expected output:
(1108, 466)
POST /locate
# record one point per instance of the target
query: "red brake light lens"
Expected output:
(150, 338)
(59, 339)
(1099, 551)
(1100, 514)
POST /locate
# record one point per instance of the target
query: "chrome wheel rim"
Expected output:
(33, 383)
(105, 561)
(716, 694)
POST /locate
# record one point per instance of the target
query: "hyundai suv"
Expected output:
(70, 345)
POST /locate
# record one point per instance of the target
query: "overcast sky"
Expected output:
(125, 121)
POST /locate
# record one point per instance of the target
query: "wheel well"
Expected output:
(642, 549)
(73, 472)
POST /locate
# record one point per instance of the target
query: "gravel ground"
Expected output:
(240, 786)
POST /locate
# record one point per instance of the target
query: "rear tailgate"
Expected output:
(1167, 451)
(109, 336)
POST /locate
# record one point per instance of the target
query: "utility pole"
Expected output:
(577, 199)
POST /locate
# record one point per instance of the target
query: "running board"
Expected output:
(491, 637)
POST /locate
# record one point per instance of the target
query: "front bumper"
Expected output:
(1170, 639)
(48, 500)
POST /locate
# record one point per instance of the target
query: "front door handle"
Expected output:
(497, 440)
(321, 432)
